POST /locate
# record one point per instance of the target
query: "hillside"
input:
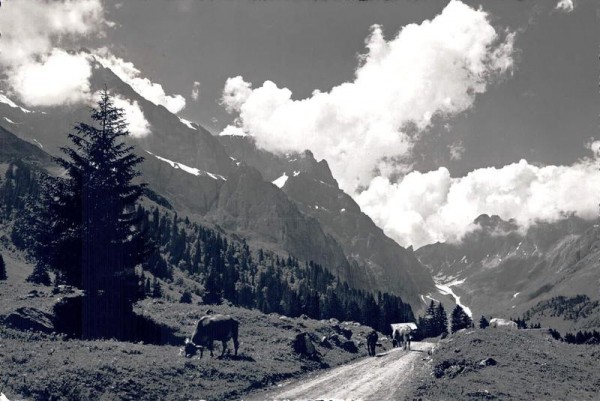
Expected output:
(513, 365)
(38, 366)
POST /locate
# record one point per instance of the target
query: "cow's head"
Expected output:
(190, 349)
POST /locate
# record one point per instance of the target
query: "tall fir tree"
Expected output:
(89, 225)
(483, 322)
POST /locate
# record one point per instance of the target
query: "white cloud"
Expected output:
(594, 146)
(427, 207)
(38, 72)
(57, 78)
(152, 91)
(434, 68)
(196, 91)
(139, 127)
(30, 27)
(565, 5)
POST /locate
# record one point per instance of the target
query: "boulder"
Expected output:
(30, 319)
(349, 346)
(302, 344)
(325, 342)
(343, 331)
(488, 362)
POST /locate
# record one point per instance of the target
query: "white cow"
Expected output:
(503, 324)
(401, 333)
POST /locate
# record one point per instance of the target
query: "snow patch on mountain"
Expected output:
(6, 100)
(280, 182)
(10, 121)
(230, 130)
(38, 143)
(188, 169)
(446, 289)
(188, 123)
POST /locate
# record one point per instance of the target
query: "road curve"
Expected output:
(379, 378)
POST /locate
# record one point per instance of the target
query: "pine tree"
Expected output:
(3, 275)
(428, 324)
(441, 320)
(186, 298)
(89, 225)
(460, 320)
(483, 322)
(156, 288)
(39, 275)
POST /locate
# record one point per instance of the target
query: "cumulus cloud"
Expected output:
(38, 72)
(427, 207)
(428, 69)
(41, 73)
(565, 5)
(30, 27)
(57, 78)
(594, 146)
(196, 91)
(152, 91)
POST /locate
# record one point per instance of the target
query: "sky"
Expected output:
(428, 112)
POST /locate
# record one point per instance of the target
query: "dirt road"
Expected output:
(379, 378)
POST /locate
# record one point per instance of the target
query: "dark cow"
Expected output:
(215, 328)
(372, 338)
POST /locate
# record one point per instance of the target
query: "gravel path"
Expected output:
(379, 378)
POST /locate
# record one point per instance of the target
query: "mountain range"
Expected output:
(293, 204)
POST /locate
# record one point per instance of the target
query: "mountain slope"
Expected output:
(501, 271)
(188, 166)
(378, 263)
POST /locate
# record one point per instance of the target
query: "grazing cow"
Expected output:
(503, 324)
(401, 333)
(372, 338)
(215, 328)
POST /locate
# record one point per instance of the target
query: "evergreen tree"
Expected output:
(147, 287)
(427, 324)
(3, 275)
(88, 226)
(441, 320)
(460, 320)
(156, 288)
(186, 298)
(39, 275)
(483, 322)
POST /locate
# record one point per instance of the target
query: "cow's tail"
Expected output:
(234, 335)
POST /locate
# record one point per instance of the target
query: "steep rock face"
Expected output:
(13, 148)
(378, 263)
(258, 210)
(500, 270)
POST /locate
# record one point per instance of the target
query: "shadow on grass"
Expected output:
(241, 357)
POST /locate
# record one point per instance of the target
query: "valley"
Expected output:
(306, 186)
